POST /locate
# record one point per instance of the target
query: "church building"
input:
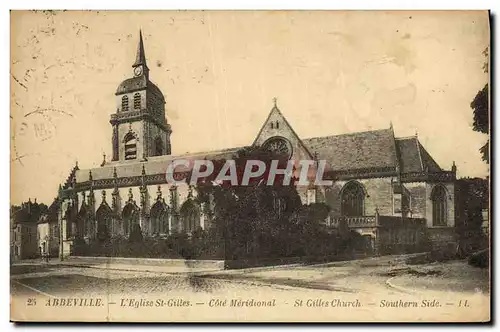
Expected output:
(388, 189)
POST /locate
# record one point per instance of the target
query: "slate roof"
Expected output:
(369, 150)
(413, 156)
(154, 165)
(136, 84)
(362, 150)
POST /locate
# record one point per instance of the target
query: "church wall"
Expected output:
(154, 132)
(155, 103)
(379, 195)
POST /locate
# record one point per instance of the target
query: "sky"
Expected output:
(331, 72)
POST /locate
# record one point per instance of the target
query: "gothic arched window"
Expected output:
(130, 217)
(353, 199)
(103, 216)
(159, 218)
(130, 147)
(190, 216)
(439, 212)
(124, 104)
(137, 101)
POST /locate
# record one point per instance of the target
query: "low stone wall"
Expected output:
(218, 264)
(443, 239)
(209, 264)
(261, 262)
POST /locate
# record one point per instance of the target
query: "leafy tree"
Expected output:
(28, 211)
(309, 232)
(472, 198)
(480, 106)
(261, 221)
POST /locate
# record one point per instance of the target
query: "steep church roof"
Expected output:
(414, 157)
(362, 150)
(140, 58)
(372, 150)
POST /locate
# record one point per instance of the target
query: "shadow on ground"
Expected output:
(23, 269)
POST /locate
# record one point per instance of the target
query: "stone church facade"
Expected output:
(388, 189)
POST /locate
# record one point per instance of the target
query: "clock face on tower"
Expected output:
(278, 145)
(138, 71)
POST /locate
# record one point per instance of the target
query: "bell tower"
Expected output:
(140, 127)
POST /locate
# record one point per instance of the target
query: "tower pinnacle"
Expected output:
(140, 58)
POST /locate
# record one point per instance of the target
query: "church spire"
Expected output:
(140, 58)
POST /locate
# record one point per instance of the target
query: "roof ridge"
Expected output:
(156, 158)
(427, 155)
(419, 154)
(397, 157)
(406, 137)
(348, 134)
(207, 152)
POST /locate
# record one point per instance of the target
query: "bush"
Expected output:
(480, 259)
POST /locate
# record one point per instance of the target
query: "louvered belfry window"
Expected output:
(137, 101)
(124, 104)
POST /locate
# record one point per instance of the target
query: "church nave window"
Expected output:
(124, 104)
(159, 218)
(137, 101)
(439, 209)
(130, 218)
(190, 216)
(352, 200)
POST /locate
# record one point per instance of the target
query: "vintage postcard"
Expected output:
(249, 166)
